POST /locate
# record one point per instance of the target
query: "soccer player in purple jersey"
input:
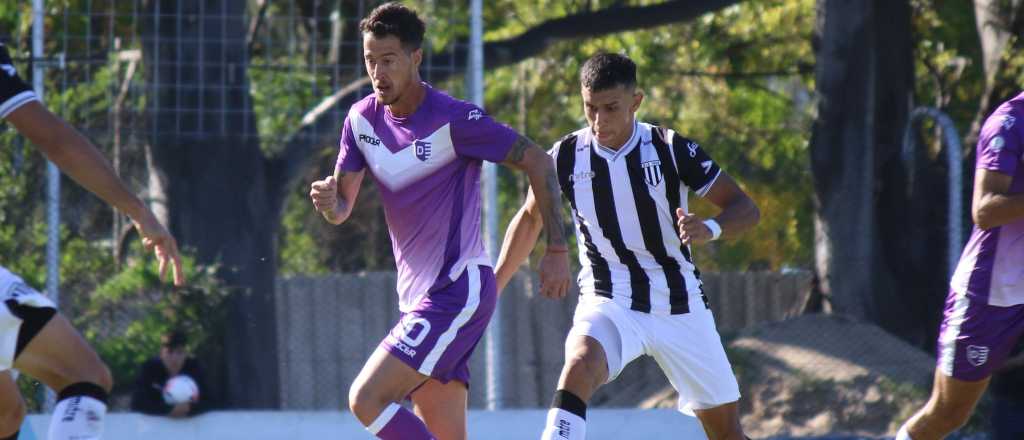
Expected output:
(34, 338)
(424, 149)
(984, 313)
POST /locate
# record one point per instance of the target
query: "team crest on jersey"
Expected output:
(652, 172)
(422, 150)
(977, 355)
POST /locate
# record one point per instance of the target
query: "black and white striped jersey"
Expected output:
(13, 91)
(624, 209)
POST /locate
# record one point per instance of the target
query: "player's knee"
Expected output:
(364, 402)
(11, 417)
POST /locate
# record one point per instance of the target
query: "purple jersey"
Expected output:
(427, 169)
(991, 267)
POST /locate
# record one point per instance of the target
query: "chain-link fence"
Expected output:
(280, 75)
(277, 76)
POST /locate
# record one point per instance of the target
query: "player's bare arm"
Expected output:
(520, 237)
(525, 155)
(738, 213)
(79, 159)
(335, 196)
(992, 206)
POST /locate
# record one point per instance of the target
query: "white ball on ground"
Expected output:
(180, 389)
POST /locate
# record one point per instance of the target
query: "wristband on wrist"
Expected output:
(716, 229)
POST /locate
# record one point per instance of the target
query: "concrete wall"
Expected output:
(501, 425)
(327, 327)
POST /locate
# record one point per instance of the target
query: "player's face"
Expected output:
(391, 67)
(610, 113)
(174, 358)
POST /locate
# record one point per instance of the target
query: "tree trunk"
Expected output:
(877, 255)
(207, 157)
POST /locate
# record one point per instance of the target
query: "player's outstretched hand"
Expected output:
(156, 238)
(554, 273)
(692, 229)
(324, 194)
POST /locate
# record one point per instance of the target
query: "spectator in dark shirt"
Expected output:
(154, 373)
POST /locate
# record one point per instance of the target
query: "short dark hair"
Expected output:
(606, 71)
(174, 339)
(396, 19)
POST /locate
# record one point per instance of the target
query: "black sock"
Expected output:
(12, 436)
(568, 401)
(83, 389)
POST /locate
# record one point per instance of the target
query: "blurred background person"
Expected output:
(156, 372)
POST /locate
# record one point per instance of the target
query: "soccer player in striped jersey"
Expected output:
(984, 313)
(34, 338)
(424, 150)
(627, 183)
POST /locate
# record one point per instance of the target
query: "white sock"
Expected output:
(903, 434)
(78, 418)
(564, 425)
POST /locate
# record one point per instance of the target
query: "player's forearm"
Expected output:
(994, 210)
(76, 157)
(544, 183)
(738, 217)
(341, 212)
(520, 237)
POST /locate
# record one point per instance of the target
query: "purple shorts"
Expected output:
(975, 338)
(438, 336)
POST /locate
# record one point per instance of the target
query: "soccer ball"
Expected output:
(180, 389)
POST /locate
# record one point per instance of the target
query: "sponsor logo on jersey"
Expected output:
(652, 172)
(1008, 122)
(422, 150)
(707, 166)
(474, 115)
(977, 355)
(582, 176)
(9, 69)
(692, 146)
(369, 139)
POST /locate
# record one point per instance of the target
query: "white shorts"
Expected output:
(13, 294)
(687, 347)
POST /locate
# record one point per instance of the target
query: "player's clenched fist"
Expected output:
(692, 229)
(324, 194)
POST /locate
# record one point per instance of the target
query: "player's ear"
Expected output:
(638, 97)
(417, 57)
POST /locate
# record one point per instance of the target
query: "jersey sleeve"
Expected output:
(999, 145)
(696, 168)
(13, 91)
(476, 135)
(350, 157)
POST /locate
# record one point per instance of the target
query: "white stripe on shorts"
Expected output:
(947, 342)
(446, 338)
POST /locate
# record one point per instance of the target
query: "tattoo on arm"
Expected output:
(518, 151)
(552, 213)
